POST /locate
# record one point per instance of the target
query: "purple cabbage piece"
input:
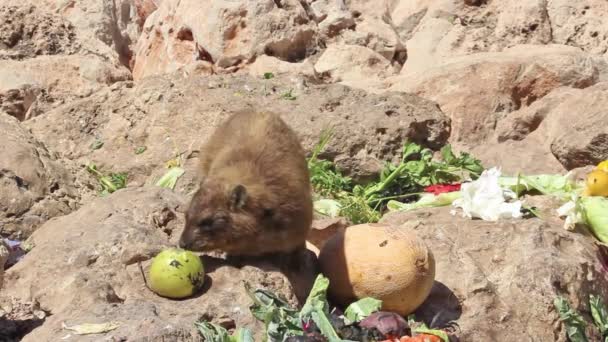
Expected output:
(387, 323)
(16, 252)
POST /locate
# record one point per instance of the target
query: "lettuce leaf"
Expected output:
(596, 215)
(362, 308)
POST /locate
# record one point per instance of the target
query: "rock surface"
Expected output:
(549, 124)
(233, 33)
(477, 90)
(499, 280)
(172, 115)
(4, 254)
(84, 269)
(131, 84)
(34, 185)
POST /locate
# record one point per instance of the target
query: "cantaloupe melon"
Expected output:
(385, 262)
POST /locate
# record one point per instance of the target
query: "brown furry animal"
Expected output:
(255, 193)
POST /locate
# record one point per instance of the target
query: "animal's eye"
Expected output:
(268, 212)
(219, 223)
(206, 224)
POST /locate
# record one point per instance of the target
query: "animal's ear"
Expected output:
(238, 197)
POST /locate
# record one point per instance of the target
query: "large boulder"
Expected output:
(171, 115)
(355, 66)
(85, 268)
(438, 30)
(498, 280)
(569, 123)
(476, 91)
(45, 60)
(34, 185)
(233, 32)
(31, 87)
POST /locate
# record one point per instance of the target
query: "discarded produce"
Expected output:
(400, 183)
(602, 166)
(388, 263)
(176, 273)
(575, 323)
(596, 216)
(317, 321)
(486, 199)
(91, 328)
(108, 183)
(596, 183)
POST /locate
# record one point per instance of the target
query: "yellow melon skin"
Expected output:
(376, 260)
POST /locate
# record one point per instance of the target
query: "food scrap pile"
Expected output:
(316, 321)
(419, 181)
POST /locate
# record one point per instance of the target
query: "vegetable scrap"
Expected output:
(442, 188)
(169, 179)
(415, 174)
(487, 200)
(361, 321)
(575, 324)
(587, 204)
(17, 251)
(461, 181)
(108, 183)
(91, 328)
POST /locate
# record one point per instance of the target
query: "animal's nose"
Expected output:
(182, 244)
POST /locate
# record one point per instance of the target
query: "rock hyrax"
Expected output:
(255, 195)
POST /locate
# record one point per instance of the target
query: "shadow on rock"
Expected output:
(441, 308)
(15, 330)
(300, 268)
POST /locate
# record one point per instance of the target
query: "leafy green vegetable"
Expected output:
(596, 215)
(169, 179)
(268, 75)
(242, 335)
(325, 179)
(140, 149)
(110, 183)
(316, 309)
(421, 328)
(555, 185)
(280, 319)
(215, 333)
(575, 325)
(426, 201)
(212, 332)
(288, 95)
(362, 308)
(365, 203)
(600, 315)
(327, 207)
(96, 145)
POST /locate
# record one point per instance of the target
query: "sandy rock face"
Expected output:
(170, 115)
(34, 185)
(574, 140)
(45, 60)
(33, 86)
(232, 33)
(477, 90)
(84, 269)
(355, 66)
(28, 31)
(499, 280)
(4, 254)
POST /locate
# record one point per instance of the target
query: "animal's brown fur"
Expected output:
(255, 195)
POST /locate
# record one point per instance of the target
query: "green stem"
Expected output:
(397, 196)
(385, 183)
